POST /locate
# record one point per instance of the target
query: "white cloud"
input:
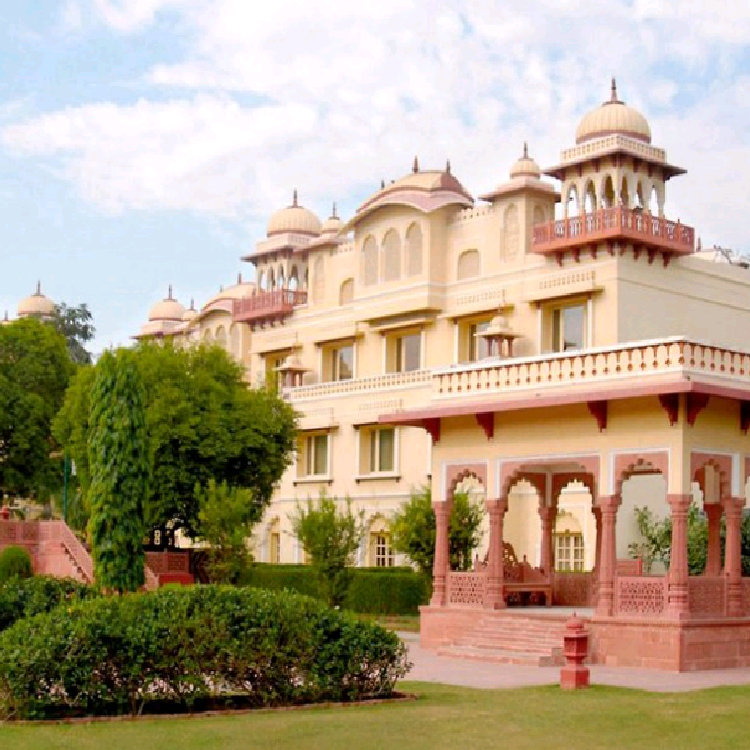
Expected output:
(333, 96)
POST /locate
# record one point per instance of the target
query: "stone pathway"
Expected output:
(428, 667)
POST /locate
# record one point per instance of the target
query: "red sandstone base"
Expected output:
(574, 677)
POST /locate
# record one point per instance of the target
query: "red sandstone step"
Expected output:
(503, 656)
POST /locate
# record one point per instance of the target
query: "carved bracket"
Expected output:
(696, 403)
(432, 425)
(486, 420)
(671, 404)
(744, 416)
(598, 411)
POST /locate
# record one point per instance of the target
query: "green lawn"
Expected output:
(443, 717)
(400, 623)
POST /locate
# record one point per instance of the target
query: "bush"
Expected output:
(28, 597)
(15, 562)
(185, 645)
(382, 591)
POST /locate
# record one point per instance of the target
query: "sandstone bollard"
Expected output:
(574, 674)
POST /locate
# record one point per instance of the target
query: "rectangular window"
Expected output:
(569, 328)
(342, 362)
(383, 553)
(381, 451)
(569, 552)
(275, 547)
(409, 352)
(478, 347)
(314, 461)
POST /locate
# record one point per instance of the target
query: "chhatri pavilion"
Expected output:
(557, 348)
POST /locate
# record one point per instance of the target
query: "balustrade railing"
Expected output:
(277, 302)
(641, 595)
(359, 385)
(707, 595)
(467, 589)
(609, 222)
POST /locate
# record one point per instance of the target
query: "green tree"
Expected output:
(413, 530)
(119, 465)
(77, 325)
(227, 517)
(203, 423)
(330, 534)
(35, 370)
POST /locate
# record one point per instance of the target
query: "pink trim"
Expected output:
(456, 474)
(628, 464)
(698, 463)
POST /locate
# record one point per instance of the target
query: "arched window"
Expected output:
(220, 336)
(319, 281)
(414, 250)
(589, 198)
(608, 192)
(346, 292)
(271, 280)
(294, 279)
(624, 193)
(208, 337)
(468, 265)
(571, 201)
(391, 256)
(280, 277)
(370, 261)
(262, 280)
(510, 233)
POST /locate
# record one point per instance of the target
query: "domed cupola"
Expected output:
(168, 309)
(37, 305)
(294, 219)
(332, 224)
(191, 313)
(613, 117)
(525, 166)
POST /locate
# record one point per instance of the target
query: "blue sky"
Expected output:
(145, 142)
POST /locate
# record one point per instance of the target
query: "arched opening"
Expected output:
(571, 201)
(469, 265)
(522, 529)
(280, 278)
(271, 280)
(220, 336)
(589, 200)
(262, 280)
(346, 292)
(414, 250)
(391, 256)
(208, 337)
(574, 536)
(294, 279)
(319, 282)
(369, 261)
(379, 552)
(469, 496)
(608, 192)
(640, 201)
(624, 193)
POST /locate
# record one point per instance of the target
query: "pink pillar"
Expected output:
(713, 558)
(677, 600)
(733, 557)
(608, 505)
(547, 514)
(494, 598)
(441, 563)
(598, 555)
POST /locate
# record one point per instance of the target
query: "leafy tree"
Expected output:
(119, 465)
(413, 530)
(330, 533)
(203, 423)
(34, 372)
(76, 324)
(226, 517)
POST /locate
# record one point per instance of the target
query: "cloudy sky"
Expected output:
(145, 142)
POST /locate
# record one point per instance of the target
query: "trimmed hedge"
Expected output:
(380, 591)
(30, 596)
(15, 562)
(181, 646)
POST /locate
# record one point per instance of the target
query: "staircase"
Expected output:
(511, 638)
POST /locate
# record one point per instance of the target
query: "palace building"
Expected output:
(556, 347)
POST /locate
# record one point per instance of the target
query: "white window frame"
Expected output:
(365, 443)
(309, 458)
(558, 310)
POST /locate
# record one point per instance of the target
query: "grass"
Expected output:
(443, 717)
(400, 623)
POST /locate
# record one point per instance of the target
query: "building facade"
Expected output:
(519, 345)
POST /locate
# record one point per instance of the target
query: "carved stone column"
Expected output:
(598, 555)
(678, 604)
(494, 598)
(608, 505)
(441, 562)
(713, 558)
(733, 555)
(547, 514)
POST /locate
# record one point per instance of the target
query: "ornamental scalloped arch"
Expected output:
(537, 479)
(563, 479)
(721, 464)
(457, 474)
(636, 464)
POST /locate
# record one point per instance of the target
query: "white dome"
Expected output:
(168, 309)
(37, 305)
(294, 218)
(612, 117)
(525, 166)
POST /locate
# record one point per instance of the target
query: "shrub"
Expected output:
(382, 591)
(28, 597)
(15, 562)
(182, 645)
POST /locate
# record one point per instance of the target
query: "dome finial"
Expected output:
(239, 278)
(448, 166)
(169, 296)
(613, 95)
(294, 199)
(38, 288)
(192, 303)
(334, 215)
(415, 167)
(382, 184)
(525, 150)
